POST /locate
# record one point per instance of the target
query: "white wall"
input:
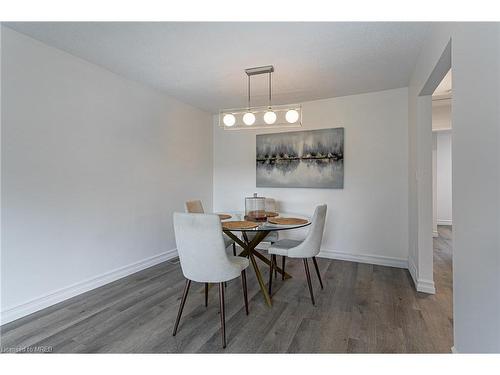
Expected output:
(444, 191)
(93, 166)
(475, 53)
(367, 220)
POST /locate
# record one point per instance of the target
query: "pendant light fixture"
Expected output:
(269, 116)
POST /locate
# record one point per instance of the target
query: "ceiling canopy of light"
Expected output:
(269, 116)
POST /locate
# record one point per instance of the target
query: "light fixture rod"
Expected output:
(248, 92)
(270, 84)
(259, 70)
(268, 69)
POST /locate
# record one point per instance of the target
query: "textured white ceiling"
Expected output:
(202, 63)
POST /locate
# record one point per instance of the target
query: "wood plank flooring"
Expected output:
(362, 309)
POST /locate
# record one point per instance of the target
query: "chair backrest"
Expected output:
(201, 248)
(194, 207)
(311, 246)
(271, 205)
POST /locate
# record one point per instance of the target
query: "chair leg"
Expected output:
(308, 275)
(234, 249)
(283, 267)
(275, 264)
(271, 267)
(317, 272)
(245, 294)
(222, 314)
(206, 294)
(181, 307)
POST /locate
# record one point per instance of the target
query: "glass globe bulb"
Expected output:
(249, 118)
(292, 116)
(269, 117)
(229, 120)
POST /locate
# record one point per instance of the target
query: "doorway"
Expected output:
(441, 154)
(442, 222)
(441, 175)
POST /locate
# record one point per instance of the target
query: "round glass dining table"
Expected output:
(258, 234)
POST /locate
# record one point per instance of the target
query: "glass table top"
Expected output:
(264, 225)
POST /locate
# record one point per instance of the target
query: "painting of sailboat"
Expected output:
(304, 159)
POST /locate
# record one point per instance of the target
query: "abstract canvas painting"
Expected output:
(304, 159)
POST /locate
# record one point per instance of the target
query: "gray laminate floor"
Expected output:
(363, 308)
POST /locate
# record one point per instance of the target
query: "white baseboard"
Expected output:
(426, 286)
(413, 270)
(444, 222)
(364, 258)
(49, 299)
(421, 285)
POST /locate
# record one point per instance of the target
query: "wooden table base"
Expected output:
(250, 252)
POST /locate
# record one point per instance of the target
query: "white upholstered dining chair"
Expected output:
(195, 207)
(203, 259)
(308, 248)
